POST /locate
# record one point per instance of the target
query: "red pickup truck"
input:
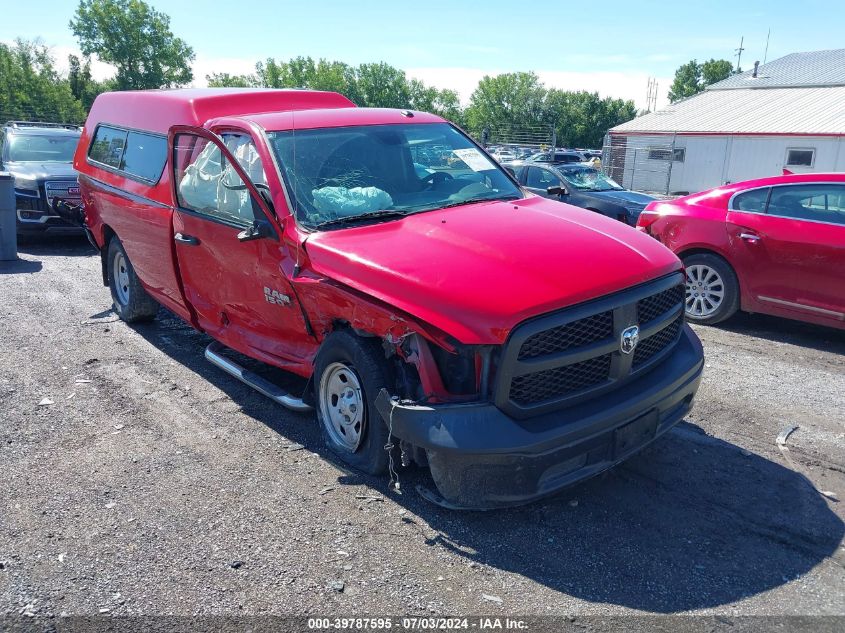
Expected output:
(441, 313)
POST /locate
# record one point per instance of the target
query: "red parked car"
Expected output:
(772, 245)
(512, 343)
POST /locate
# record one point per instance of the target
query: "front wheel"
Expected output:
(349, 373)
(131, 301)
(712, 290)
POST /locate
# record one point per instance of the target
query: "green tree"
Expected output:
(692, 77)
(336, 77)
(506, 100)
(371, 85)
(714, 70)
(448, 105)
(82, 85)
(687, 82)
(269, 74)
(225, 80)
(30, 87)
(136, 39)
(581, 119)
(382, 86)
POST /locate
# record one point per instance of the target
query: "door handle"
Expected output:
(186, 239)
(749, 237)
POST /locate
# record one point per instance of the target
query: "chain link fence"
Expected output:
(641, 163)
(519, 140)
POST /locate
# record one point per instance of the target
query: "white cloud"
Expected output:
(99, 70)
(207, 65)
(202, 65)
(619, 85)
(461, 80)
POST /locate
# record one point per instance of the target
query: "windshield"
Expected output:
(335, 175)
(588, 179)
(41, 148)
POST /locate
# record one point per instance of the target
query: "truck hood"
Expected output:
(476, 271)
(41, 171)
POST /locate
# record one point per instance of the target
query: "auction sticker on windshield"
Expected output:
(474, 159)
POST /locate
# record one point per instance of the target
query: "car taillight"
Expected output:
(646, 219)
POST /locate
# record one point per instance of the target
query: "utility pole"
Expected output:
(766, 54)
(651, 95)
(739, 54)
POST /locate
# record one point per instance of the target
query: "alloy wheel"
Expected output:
(705, 290)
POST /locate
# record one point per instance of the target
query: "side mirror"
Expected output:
(259, 230)
(560, 190)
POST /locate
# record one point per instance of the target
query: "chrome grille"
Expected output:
(568, 356)
(60, 189)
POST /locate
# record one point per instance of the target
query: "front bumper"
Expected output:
(31, 219)
(481, 458)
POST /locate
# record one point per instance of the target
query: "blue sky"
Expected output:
(609, 46)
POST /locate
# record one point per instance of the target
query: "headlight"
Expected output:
(26, 185)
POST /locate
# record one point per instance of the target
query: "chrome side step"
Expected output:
(214, 354)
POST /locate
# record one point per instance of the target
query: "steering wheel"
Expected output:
(435, 178)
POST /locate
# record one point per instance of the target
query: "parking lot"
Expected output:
(139, 479)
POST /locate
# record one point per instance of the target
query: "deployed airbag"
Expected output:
(340, 201)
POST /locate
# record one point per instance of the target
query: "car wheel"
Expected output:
(349, 373)
(712, 290)
(131, 301)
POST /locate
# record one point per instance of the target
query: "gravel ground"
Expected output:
(156, 484)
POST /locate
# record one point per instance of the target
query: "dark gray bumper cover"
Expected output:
(481, 458)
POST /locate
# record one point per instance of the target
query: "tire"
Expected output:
(131, 302)
(348, 374)
(712, 292)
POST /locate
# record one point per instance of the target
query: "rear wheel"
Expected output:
(349, 373)
(712, 290)
(131, 301)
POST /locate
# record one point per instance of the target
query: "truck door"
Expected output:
(228, 247)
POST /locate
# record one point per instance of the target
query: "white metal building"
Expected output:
(789, 114)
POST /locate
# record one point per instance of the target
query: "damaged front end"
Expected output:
(561, 401)
(73, 214)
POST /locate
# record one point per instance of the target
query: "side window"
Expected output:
(208, 184)
(144, 156)
(107, 146)
(818, 203)
(800, 157)
(541, 178)
(243, 149)
(753, 201)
